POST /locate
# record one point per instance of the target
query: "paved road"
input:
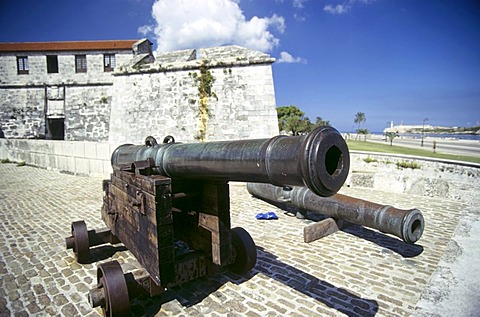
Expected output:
(355, 272)
(447, 146)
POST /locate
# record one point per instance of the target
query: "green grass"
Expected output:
(412, 165)
(370, 160)
(386, 148)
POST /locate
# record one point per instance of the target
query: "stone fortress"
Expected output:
(118, 91)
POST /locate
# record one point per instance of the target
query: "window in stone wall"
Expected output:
(52, 64)
(22, 64)
(108, 62)
(80, 63)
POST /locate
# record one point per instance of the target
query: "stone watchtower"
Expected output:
(219, 93)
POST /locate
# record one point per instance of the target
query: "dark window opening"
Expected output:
(56, 129)
(22, 64)
(80, 63)
(108, 62)
(52, 64)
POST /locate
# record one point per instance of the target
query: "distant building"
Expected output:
(118, 91)
(60, 90)
(401, 129)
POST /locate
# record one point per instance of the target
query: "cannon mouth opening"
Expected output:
(334, 161)
(416, 228)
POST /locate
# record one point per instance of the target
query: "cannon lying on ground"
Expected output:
(406, 224)
(163, 196)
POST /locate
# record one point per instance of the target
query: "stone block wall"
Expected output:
(22, 112)
(87, 113)
(163, 98)
(80, 158)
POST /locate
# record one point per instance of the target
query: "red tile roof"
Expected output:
(66, 46)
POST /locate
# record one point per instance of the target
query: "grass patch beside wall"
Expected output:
(386, 148)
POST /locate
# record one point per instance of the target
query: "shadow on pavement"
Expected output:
(394, 244)
(104, 252)
(268, 265)
(381, 239)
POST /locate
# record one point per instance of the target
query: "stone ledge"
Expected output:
(433, 178)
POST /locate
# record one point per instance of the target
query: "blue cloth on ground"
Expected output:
(267, 216)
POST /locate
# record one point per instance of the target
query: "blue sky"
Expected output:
(402, 60)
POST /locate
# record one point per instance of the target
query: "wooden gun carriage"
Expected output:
(163, 196)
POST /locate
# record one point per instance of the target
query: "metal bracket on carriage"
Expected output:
(138, 167)
(138, 204)
(144, 167)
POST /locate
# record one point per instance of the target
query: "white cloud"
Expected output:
(184, 24)
(338, 9)
(299, 17)
(345, 6)
(287, 58)
(299, 3)
(145, 29)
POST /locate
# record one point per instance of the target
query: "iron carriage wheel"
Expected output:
(81, 246)
(111, 279)
(245, 249)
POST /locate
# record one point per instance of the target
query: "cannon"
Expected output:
(407, 225)
(168, 204)
(319, 160)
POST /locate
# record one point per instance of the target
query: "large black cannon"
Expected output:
(169, 205)
(406, 224)
(319, 160)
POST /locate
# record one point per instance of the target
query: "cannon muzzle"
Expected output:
(408, 225)
(319, 160)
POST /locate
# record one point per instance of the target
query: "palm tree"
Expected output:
(391, 136)
(359, 119)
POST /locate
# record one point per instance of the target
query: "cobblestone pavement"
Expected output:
(355, 272)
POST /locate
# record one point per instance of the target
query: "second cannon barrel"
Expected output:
(405, 224)
(319, 160)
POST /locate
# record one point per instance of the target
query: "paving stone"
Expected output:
(17, 306)
(13, 295)
(70, 310)
(4, 311)
(43, 300)
(60, 300)
(33, 308)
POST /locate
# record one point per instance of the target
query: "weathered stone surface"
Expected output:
(164, 99)
(456, 181)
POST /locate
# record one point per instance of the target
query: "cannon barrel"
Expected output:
(319, 160)
(408, 225)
